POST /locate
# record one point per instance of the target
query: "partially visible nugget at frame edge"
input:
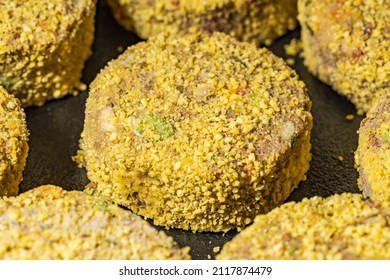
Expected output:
(201, 132)
(346, 44)
(50, 223)
(43, 47)
(342, 226)
(256, 21)
(373, 153)
(13, 143)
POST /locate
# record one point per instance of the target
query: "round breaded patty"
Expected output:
(43, 47)
(338, 227)
(373, 153)
(347, 45)
(201, 132)
(258, 21)
(50, 223)
(13, 143)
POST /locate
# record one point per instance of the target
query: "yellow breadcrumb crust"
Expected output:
(338, 227)
(373, 153)
(13, 143)
(347, 45)
(258, 21)
(50, 223)
(43, 47)
(201, 132)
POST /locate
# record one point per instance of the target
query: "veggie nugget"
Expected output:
(338, 227)
(257, 21)
(43, 47)
(347, 45)
(50, 223)
(13, 143)
(373, 153)
(200, 132)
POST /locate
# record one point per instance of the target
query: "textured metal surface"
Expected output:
(55, 130)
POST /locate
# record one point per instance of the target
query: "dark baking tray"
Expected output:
(55, 130)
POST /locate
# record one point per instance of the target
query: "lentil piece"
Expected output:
(352, 54)
(257, 21)
(226, 160)
(86, 227)
(373, 153)
(43, 47)
(342, 226)
(13, 143)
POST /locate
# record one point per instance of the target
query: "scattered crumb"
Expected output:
(290, 61)
(294, 47)
(216, 249)
(120, 48)
(340, 158)
(349, 117)
(209, 257)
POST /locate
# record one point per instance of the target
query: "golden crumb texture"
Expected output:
(346, 44)
(43, 47)
(257, 21)
(201, 132)
(373, 153)
(339, 227)
(13, 143)
(50, 223)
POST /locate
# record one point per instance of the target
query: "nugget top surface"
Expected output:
(50, 223)
(338, 227)
(197, 132)
(347, 45)
(13, 143)
(257, 21)
(373, 153)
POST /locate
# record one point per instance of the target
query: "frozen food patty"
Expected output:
(338, 227)
(258, 21)
(347, 45)
(201, 132)
(13, 143)
(43, 47)
(373, 153)
(50, 223)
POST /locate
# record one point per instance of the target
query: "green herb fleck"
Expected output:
(152, 127)
(9, 82)
(239, 60)
(255, 100)
(102, 206)
(311, 31)
(291, 250)
(294, 139)
(387, 137)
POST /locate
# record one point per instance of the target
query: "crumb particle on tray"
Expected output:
(290, 61)
(350, 117)
(294, 47)
(216, 249)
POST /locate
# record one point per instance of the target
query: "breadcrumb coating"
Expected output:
(373, 153)
(346, 44)
(43, 47)
(257, 21)
(50, 223)
(338, 227)
(200, 132)
(13, 143)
